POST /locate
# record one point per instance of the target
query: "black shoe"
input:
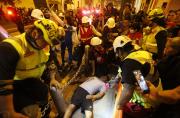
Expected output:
(60, 69)
(60, 116)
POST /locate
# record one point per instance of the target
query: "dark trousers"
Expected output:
(78, 53)
(63, 48)
(28, 92)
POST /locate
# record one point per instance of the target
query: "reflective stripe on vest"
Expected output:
(32, 62)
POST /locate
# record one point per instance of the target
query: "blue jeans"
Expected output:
(63, 48)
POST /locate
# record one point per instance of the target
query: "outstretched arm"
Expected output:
(126, 95)
(96, 96)
(96, 32)
(164, 96)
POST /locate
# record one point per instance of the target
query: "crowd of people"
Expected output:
(148, 42)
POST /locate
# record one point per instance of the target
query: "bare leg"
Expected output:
(69, 111)
(88, 114)
(32, 111)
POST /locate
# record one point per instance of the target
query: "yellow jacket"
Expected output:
(32, 62)
(149, 41)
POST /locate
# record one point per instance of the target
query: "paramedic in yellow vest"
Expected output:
(155, 41)
(133, 58)
(23, 58)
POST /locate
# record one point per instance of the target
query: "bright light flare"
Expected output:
(86, 12)
(9, 12)
(97, 11)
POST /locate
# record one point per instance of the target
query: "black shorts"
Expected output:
(79, 100)
(28, 92)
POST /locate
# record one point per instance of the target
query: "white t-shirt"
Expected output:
(93, 85)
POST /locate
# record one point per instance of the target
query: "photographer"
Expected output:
(169, 69)
(132, 101)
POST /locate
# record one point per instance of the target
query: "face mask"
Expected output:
(131, 31)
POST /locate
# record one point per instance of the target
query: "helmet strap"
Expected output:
(32, 42)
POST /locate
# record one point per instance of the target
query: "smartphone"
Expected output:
(141, 81)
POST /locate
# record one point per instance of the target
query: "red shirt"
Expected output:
(99, 55)
(170, 24)
(86, 35)
(137, 36)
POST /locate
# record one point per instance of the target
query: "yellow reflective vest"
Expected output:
(149, 41)
(32, 62)
(143, 57)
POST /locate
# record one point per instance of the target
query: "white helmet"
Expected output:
(121, 41)
(61, 15)
(37, 13)
(95, 41)
(85, 19)
(110, 23)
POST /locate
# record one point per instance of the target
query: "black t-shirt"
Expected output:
(161, 38)
(128, 66)
(107, 36)
(169, 70)
(8, 61)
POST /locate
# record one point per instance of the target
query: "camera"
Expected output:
(141, 81)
